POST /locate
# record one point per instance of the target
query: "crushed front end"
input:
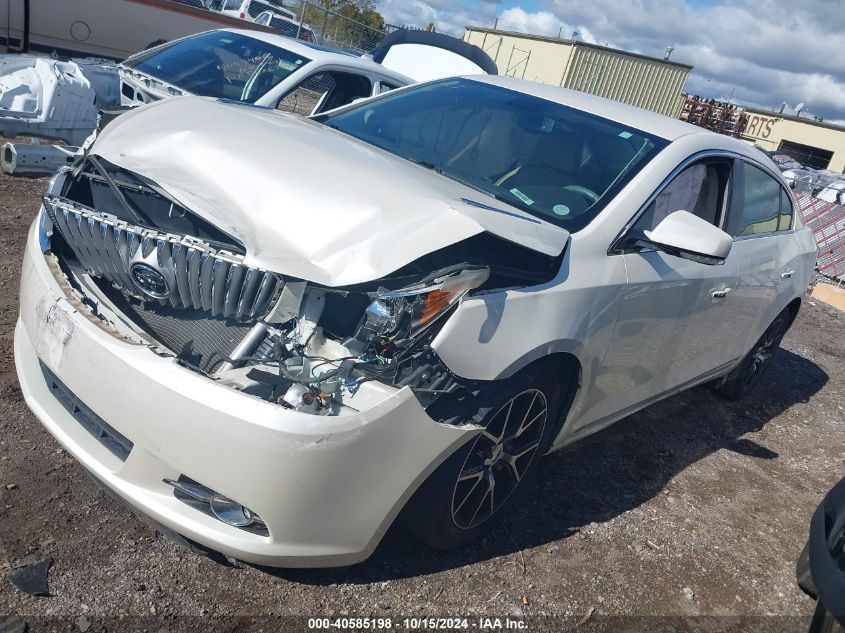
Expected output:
(183, 286)
(262, 416)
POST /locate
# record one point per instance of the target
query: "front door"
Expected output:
(672, 325)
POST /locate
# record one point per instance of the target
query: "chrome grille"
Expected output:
(198, 276)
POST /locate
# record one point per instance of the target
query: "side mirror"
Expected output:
(686, 235)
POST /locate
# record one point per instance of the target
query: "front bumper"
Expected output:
(327, 487)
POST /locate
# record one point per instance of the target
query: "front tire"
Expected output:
(742, 379)
(475, 487)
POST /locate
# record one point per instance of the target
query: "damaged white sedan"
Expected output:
(272, 335)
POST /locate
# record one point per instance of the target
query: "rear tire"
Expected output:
(477, 485)
(742, 379)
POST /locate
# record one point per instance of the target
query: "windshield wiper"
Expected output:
(472, 185)
(437, 169)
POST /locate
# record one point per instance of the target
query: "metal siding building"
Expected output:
(798, 137)
(647, 82)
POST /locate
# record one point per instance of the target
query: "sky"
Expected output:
(761, 52)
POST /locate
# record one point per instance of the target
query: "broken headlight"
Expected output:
(396, 315)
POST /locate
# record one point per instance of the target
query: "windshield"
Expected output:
(220, 64)
(557, 163)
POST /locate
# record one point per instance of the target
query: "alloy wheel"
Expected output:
(764, 351)
(499, 459)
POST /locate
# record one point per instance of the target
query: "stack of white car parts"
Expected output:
(46, 98)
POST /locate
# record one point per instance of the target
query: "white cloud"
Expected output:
(539, 23)
(543, 23)
(447, 17)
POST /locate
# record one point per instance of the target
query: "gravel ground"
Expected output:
(692, 507)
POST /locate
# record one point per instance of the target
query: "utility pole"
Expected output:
(302, 6)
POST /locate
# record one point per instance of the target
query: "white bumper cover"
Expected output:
(327, 487)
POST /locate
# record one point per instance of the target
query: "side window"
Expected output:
(349, 88)
(786, 210)
(698, 189)
(255, 7)
(385, 87)
(757, 204)
(305, 98)
(325, 91)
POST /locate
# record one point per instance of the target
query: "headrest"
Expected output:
(559, 150)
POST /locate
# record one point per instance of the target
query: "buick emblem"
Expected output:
(149, 281)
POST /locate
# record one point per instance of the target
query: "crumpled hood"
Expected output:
(306, 200)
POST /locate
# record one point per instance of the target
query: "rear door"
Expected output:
(761, 221)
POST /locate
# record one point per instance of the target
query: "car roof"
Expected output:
(645, 120)
(321, 54)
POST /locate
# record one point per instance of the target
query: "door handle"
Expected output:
(787, 274)
(720, 294)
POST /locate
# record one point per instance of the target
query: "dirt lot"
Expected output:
(692, 507)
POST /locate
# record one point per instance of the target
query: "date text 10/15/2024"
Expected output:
(417, 624)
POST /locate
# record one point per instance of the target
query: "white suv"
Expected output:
(272, 334)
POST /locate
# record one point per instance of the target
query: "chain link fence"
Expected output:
(337, 28)
(335, 23)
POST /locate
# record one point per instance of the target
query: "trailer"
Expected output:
(110, 29)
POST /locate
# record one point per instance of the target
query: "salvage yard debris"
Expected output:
(33, 578)
(51, 99)
(827, 221)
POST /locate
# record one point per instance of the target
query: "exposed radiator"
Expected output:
(176, 270)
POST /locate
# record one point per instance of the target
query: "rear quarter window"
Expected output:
(786, 211)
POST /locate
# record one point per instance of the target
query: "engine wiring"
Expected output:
(390, 344)
(290, 365)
